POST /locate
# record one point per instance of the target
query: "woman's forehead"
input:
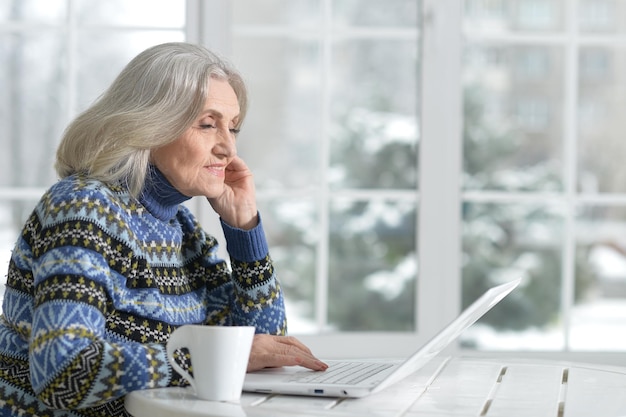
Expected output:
(221, 100)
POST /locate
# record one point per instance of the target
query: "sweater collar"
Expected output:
(159, 196)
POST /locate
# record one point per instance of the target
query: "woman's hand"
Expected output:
(237, 204)
(270, 351)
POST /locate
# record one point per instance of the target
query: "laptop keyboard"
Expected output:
(342, 373)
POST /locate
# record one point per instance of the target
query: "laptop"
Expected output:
(356, 379)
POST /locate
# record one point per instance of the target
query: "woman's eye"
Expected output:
(235, 131)
(207, 126)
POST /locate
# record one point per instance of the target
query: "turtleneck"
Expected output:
(159, 196)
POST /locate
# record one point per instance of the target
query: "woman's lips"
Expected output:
(217, 170)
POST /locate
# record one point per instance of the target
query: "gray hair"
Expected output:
(155, 98)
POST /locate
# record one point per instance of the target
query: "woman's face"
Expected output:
(195, 162)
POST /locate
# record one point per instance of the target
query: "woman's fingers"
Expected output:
(274, 351)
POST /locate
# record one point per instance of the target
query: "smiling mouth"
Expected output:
(217, 170)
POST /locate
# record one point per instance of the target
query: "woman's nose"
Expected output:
(226, 145)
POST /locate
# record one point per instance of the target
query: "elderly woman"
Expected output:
(111, 262)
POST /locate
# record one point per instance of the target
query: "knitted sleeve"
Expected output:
(258, 297)
(76, 260)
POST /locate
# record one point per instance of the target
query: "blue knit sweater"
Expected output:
(97, 282)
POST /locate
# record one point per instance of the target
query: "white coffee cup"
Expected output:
(219, 358)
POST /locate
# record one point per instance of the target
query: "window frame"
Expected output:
(438, 300)
(440, 198)
(439, 194)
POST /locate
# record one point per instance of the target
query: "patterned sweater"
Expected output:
(97, 282)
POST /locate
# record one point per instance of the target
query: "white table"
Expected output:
(446, 387)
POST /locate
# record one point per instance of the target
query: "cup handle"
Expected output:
(178, 339)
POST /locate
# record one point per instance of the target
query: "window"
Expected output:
(333, 137)
(543, 192)
(597, 15)
(407, 155)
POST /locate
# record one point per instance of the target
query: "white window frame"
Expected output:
(438, 290)
(438, 299)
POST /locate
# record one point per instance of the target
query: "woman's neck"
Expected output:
(159, 196)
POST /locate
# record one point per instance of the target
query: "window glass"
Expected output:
(277, 12)
(502, 242)
(115, 49)
(601, 103)
(280, 137)
(291, 224)
(152, 13)
(38, 11)
(513, 110)
(393, 13)
(372, 265)
(374, 105)
(333, 124)
(602, 16)
(599, 316)
(514, 15)
(514, 142)
(33, 79)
